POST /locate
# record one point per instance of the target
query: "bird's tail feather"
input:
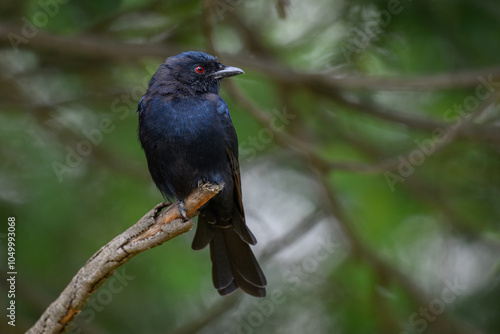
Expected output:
(233, 262)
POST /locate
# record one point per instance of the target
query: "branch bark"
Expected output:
(155, 228)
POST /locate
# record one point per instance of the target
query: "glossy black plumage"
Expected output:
(186, 132)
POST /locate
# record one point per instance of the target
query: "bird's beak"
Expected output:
(227, 71)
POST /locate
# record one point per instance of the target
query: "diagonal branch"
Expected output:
(486, 133)
(155, 228)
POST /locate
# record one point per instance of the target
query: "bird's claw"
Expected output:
(182, 209)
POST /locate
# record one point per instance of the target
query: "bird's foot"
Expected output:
(182, 209)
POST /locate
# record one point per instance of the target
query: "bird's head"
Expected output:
(193, 72)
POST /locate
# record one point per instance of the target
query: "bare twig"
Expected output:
(150, 231)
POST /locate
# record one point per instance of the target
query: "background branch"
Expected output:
(150, 231)
(90, 45)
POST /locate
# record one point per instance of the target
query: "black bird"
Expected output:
(187, 134)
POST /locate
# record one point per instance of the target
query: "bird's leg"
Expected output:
(182, 209)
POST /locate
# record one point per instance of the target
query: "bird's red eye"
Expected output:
(199, 69)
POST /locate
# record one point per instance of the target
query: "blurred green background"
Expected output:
(369, 143)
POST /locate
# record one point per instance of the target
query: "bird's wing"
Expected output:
(239, 224)
(232, 153)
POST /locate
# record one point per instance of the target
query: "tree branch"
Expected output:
(93, 46)
(150, 231)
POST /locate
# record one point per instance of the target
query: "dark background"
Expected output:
(369, 145)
